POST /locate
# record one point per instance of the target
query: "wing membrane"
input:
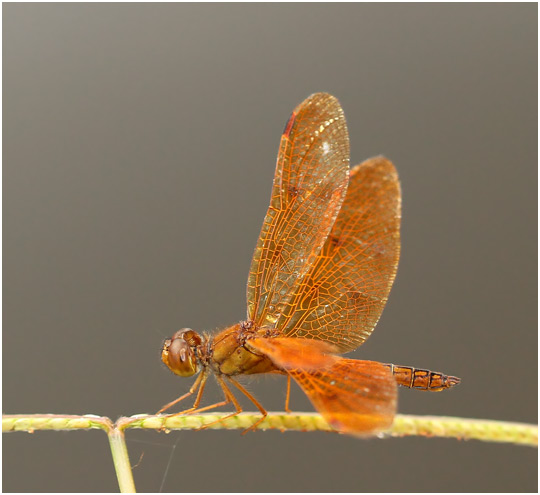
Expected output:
(342, 298)
(309, 187)
(356, 397)
(296, 353)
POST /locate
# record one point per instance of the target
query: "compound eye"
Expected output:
(179, 356)
(182, 333)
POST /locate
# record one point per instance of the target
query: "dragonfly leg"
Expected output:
(229, 397)
(257, 405)
(288, 394)
(199, 382)
(195, 409)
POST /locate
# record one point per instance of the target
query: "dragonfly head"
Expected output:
(179, 352)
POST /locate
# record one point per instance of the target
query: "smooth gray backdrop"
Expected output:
(139, 150)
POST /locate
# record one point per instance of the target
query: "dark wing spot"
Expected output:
(294, 191)
(335, 240)
(288, 125)
(356, 298)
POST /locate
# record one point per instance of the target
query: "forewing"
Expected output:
(342, 298)
(310, 184)
(355, 397)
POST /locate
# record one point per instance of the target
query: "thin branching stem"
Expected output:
(404, 425)
(120, 456)
(57, 422)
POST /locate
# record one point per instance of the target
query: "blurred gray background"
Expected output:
(139, 149)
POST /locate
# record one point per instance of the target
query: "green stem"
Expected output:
(120, 456)
(429, 426)
(404, 425)
(57, 422)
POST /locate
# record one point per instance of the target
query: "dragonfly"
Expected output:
(323, 267)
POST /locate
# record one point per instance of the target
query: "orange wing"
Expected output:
(355, 397)
(342, 297)
(310, 184)
(288, 353)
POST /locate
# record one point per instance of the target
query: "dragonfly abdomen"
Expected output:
(433, 381)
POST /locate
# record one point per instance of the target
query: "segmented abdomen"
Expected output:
(410, 377)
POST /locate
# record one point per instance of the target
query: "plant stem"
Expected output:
(428, 426)
(404, 425)
(120, 456)
(57, 422)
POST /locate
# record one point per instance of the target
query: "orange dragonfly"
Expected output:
(323, 267)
